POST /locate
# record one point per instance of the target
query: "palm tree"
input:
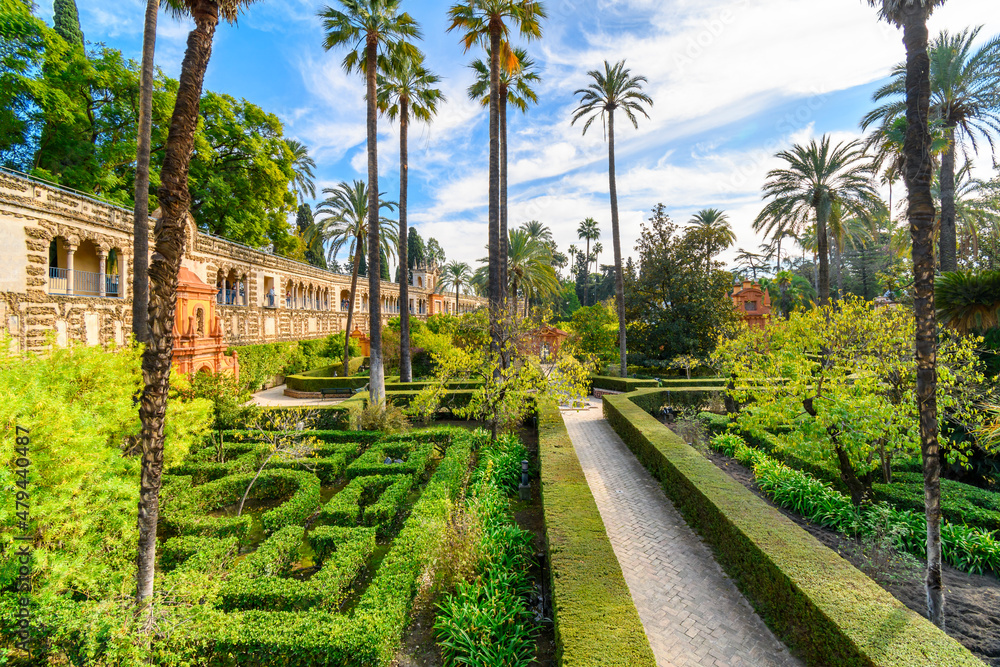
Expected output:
(347, 227)
(615, 88)
(365, 27)
(572, 250)
(302, 168)
(515, 90)
(530, 268)
(846, 233)
(537, 231)
(140, 222)
(454, 274)
(714, 229)
(588, 230)
(175, 201)
(490, 23)
(964, 85)
(817, 177)
(406, 89)
(977, 205)
(912, 17)
(968, 301)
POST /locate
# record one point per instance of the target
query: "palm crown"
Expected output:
(515, 86)
(365, 21)
(346, 206)
(302, 167)
(479, 18)
(404, 81)
(614, 88)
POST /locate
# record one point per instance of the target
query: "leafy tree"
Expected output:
(312, 238)
(912, 18)
(406, 89)
(490, 23)
(593, 332)
(848, 378)
(674, 306)
(66, 21)
(416, 251)
(434, 253)
(817, 177)
(169, 247)
(22, 46)
(347, 227)
(365, 27)
(614, 89)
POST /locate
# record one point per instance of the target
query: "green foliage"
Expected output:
(968, 301)
(66, 20)
(385, 417)
(487, 621)
(677, 303)
(259, 364)
(620, 384)
(813, 599)
(594, 332)
(77, 403)
(847, 384)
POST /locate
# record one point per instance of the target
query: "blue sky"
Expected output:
(733, 81)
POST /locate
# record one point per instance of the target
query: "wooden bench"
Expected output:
(345, 392)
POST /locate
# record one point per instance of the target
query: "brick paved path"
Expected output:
(692, 613)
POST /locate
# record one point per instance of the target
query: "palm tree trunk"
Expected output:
(619, 282)
(168, 250)
(504, 238)
(376, 384)
(350, 307)
(778, 251)
(948, 238)
(140, 223)
(838, 268)
(921, 214)
(823, 243)
(457, 286)
(496, 287)
(405, 366)
(586, 275)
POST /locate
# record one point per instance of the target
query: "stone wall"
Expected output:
(36, 310)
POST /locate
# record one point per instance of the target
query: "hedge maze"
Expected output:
(322, 565)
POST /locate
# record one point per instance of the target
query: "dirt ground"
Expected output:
(972, 602)
(419, 648)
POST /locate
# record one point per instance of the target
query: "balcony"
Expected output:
(82, 283)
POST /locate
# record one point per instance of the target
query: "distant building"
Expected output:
(545, 341)
(199, 344)
(752, 303)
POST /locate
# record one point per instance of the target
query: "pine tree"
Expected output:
(66, 21)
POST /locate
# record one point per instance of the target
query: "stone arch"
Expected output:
(345, 299)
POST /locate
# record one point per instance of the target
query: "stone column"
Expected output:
(70, 250)
(102, 286)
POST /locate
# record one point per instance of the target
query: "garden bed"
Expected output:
(972, 602)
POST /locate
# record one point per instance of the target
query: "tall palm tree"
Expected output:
(364, 28)
(817, 177)
(715, 231)
(140, 222)
(346, 226)
(515, 90)
(406, 89)
(588, 230)
(302, 168)
(613, 89)
(965, 101)
(454, 274)
(572, 250)
(749, 260)
(530, 269)
(977, 206)
(912, 17)
(846, 232)
(170, 234)
(490, 23)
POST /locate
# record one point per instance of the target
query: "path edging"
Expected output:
(596, 622)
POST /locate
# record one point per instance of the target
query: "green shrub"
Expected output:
(385, 417)
(595, 618)
(415, 460)
(345, 508)
(620, 384)
(814, 600)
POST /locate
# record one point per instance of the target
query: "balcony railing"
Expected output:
(229, 297)
(84, 283)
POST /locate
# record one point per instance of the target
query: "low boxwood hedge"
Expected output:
(619, 384)
(415, 459)
(596, 622)
(346, 508)
(335, 417)
(820, 605)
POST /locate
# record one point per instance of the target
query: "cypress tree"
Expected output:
(66, 20)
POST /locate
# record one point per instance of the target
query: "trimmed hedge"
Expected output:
(415, 460)
(815, 601)
(693, 382)
(328, 417)
(452, 398)
(596, 622)
(619, 384)
(346, 508)
(328, 377)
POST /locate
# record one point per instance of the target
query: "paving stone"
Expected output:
(692, 612)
